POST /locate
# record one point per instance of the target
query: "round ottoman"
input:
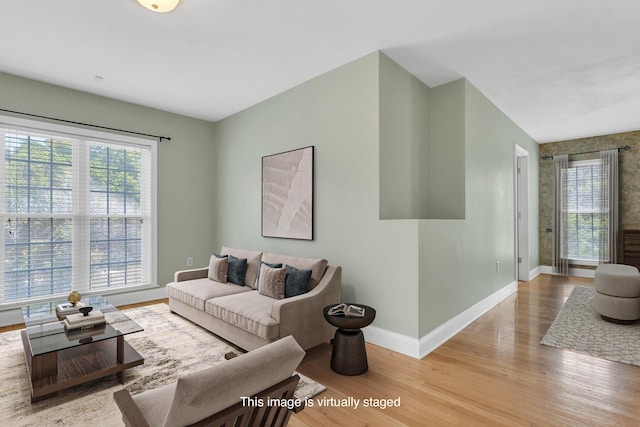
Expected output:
(617, 297)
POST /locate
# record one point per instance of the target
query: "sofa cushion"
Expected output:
(237, 270)
(196, 292)
(271, 281)
(249, 311)
(296, 282)
(201, 394)
(253, 262)
(218, 268)
(317, 266)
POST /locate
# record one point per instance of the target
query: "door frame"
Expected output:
(521, 213)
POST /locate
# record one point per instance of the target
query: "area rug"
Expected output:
(170, 345)
(578, 327)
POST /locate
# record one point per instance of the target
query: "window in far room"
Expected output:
(584, 218)
(77, 209)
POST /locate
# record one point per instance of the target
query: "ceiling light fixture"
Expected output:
(159, 5)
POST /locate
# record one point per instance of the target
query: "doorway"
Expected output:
(521, 198)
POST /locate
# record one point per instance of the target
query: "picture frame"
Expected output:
(287, 194)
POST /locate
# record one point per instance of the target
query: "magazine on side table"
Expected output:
(348, 310)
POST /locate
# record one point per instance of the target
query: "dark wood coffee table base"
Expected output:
(58, 370)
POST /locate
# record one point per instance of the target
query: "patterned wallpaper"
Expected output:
(628, 180)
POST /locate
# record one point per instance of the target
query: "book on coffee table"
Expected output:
(77, 322)
(63, 310)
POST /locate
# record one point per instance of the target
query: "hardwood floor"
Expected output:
(494, 372)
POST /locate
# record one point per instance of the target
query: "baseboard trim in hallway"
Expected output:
(419, 348)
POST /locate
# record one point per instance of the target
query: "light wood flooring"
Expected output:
(495, 372)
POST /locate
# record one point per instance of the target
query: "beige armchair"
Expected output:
(242, 390)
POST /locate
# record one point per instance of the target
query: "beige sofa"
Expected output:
(249, 319)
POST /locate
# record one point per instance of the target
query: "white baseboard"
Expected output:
(448, 329)
(392, 341)
(534, 273)
(578, 272)
(419, 348)
(133, 297)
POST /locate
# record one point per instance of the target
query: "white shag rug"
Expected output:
(578, 327)
(170, 346)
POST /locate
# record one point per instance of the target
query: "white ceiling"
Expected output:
(559, 69)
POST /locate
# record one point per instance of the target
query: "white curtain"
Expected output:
(609, 206)
(560, 263)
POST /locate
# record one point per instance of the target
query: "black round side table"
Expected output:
(349, 355)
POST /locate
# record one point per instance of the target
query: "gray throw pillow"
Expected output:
(272, 282)
(218, 268)
(296, 282)
(272, 265)
(237, 270)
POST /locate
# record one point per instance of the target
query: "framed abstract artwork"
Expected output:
(287, 194)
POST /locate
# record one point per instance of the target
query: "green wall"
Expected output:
(186, 164)
(389, 152)
(404, 143)
(458, 257)
(446, 169)
(339, 114)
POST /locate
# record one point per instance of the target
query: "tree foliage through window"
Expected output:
(77, 215)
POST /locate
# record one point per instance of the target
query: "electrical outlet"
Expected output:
(190, 261)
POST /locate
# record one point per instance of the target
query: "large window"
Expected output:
(78, 211)
(585, 218)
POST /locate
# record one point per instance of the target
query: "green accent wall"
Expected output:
(413, 187)
(458, 257)
(338, 113)
(446, 169)
(186, 165)
(404, 148)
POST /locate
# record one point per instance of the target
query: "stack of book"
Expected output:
(63, 310)
(78, 322)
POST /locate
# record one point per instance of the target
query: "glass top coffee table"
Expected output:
(57, 359)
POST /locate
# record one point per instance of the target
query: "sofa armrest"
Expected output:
(302, 313)
(131, 414)
(196, 273)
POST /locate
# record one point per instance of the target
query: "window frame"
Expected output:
(87, 135)
(575, 164)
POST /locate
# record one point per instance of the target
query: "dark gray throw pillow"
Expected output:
(272, 265)
(296, 282)
(237, 270)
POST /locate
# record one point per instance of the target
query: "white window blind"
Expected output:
(585, 214)
(78, 212)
